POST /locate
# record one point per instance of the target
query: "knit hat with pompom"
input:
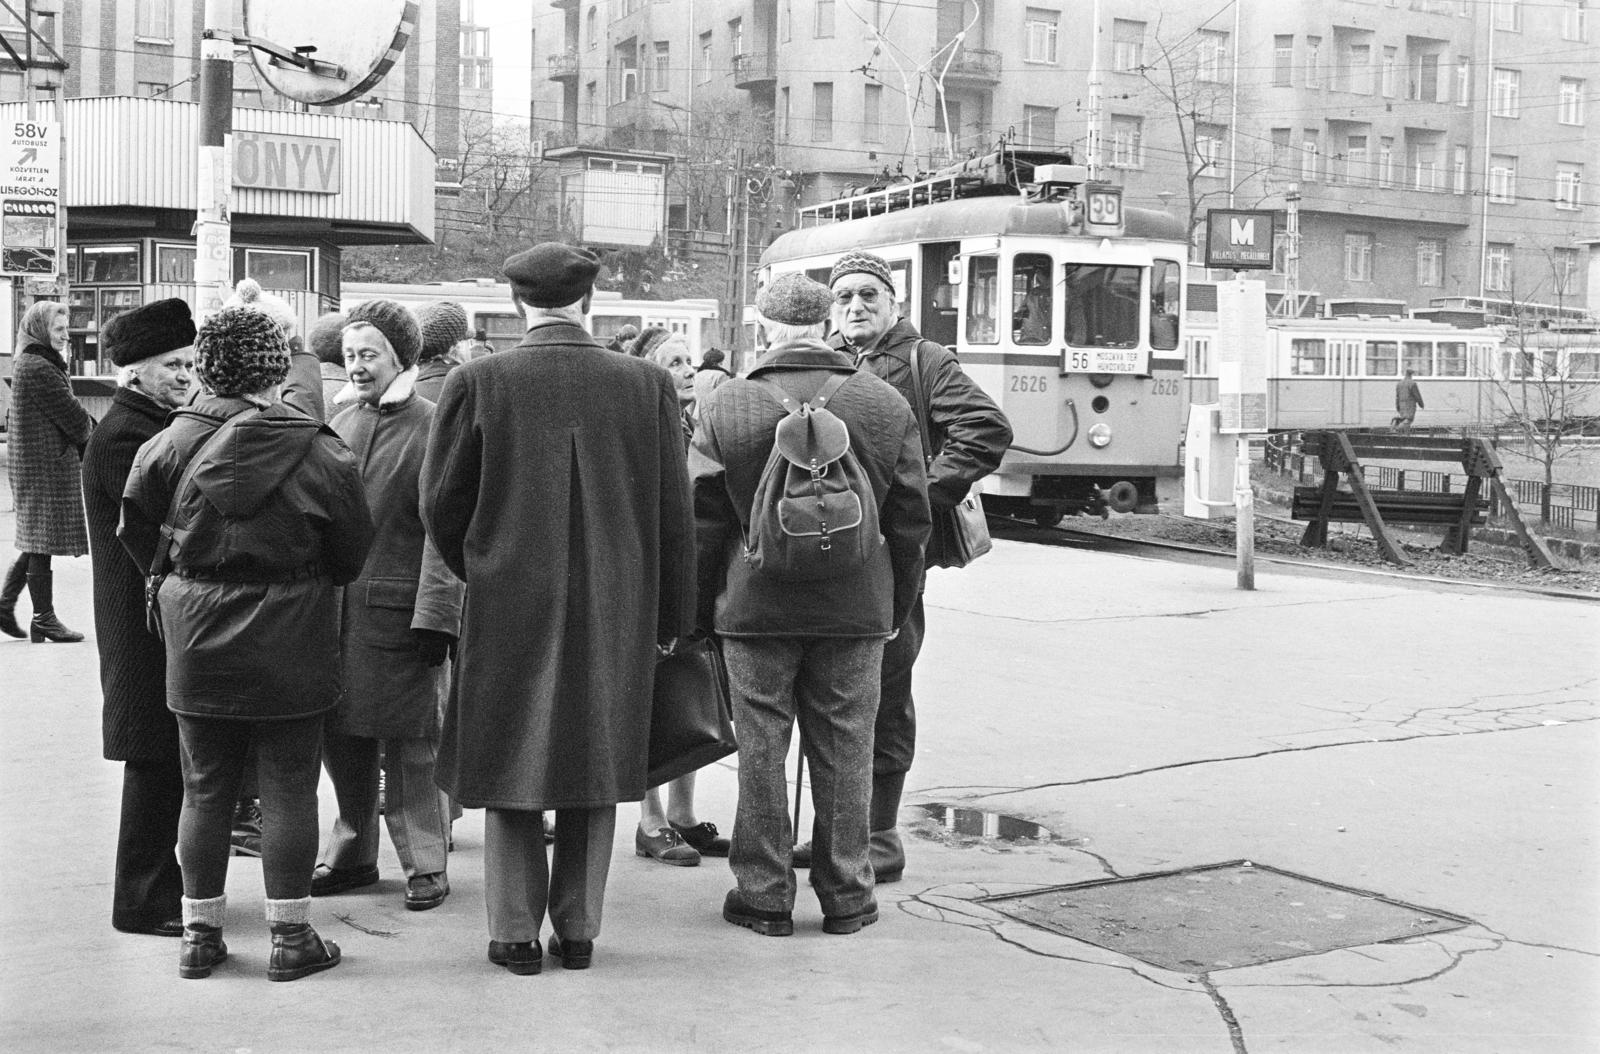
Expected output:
(240, 350)
(248, 293)
(444, 325)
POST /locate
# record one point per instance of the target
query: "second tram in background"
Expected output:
(1063, 305)
(491, 315)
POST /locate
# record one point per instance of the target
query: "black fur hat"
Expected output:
(154, 329)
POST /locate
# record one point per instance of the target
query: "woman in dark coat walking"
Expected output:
(47, 432)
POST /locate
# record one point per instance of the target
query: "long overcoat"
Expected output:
(135, 722)
(46, 433)
(389, 691)
(555, 485)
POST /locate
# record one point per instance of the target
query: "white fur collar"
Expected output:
(398, 392)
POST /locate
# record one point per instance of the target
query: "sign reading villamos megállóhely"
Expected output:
(1240, 239)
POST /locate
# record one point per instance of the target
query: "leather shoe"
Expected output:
(297, 950)
(667, 846)
(704, 838)
(171, 928)
(520, 957)
(766, 923)
(326, 881)
(851, 923)
(202, 949)
(802, 855)
(574, 955)
(426, 891)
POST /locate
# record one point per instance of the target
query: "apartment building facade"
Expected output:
(1427, 148)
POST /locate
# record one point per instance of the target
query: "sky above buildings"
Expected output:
(511, 23)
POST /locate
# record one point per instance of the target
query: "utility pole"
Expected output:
(1289, 305)
(213, 263)
(1095, 94)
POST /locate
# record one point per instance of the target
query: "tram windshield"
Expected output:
(1030, 299)
(1102, 305)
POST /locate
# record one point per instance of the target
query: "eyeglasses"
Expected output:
(869, 297)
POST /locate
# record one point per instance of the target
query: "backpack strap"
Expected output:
(160, 564)
(817, 401)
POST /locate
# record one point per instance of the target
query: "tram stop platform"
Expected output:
(1363, 809)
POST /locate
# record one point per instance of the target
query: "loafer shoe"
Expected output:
(667, 846)
(171, 928)
(574, 955)
(520, 957)
(766, 923)
(426, 891)
(703, 837)
(802, 855)
(202, 949)
(851, 923)
(297, 950)
(326, 881)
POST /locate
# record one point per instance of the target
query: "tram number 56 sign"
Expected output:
(30, 195)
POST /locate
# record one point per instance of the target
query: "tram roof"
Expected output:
(963, 218)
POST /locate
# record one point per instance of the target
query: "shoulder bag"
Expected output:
(961, 534)
(691, 713)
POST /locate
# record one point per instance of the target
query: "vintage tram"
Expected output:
(1061, 303)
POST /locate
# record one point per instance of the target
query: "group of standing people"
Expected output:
(522, 542)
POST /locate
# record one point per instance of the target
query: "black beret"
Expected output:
(154, 329)
(553, 274)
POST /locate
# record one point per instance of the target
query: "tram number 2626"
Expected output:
(1036, 382)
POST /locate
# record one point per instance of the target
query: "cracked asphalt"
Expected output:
(1431, 744)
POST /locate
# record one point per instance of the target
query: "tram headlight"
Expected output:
(1099, 435)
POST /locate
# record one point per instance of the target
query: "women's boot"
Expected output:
(16, 578)
(297, 950)
(45, 626)
(202, 936)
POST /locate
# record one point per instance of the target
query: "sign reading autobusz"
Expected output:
(30, 194)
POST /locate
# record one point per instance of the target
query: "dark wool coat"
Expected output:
(46, 434)
(555, 485)
(390, 692)
(275, 519)
(135, 722)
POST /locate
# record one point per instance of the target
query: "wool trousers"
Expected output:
(520, 884)
(894, 734)
(830, 685)
(413, 809)
(288, 757)
(148, 884)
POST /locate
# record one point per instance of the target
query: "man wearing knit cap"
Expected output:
(272, 520)
(152, 346)
(555, 487)
(969, 435)
(810, 650)
(398, 623)
(444, 325)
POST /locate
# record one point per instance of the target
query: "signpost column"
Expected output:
(213, 261)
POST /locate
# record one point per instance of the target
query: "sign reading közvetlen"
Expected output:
(30, 194)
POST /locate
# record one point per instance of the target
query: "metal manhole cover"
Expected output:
(1220, 916)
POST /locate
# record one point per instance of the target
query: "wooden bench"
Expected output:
(1341, 454)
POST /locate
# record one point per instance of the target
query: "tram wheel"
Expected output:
(1123, 496)
(1048, 517)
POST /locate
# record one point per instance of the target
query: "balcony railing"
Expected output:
(564, 66)
(975, 66)
(755, 69)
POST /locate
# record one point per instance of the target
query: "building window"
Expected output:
(1564, 264)
(736, 35)
(1385, 161)
(705, 57)
(661, 77)
(1458, 166)
(1463, 82)
(824, 25)
(1127, 45)
(1569, 110)
(783, 114)
(1430, 262)
(1127, 142)
(1280, 150)
(1569, 185)
(1387, 72)
(1212, 58)
(872, 113)
(1507, 93)
(1358, 257)
(1039, 125)
(1209, 140)
(1310, 156)
(1356, 161)
(1502, 179)
(822, 112)
(1283, 60)
(1575, 21)
(591, 104)
(1040, 30)
(153, 21)
(1423, 84)
(1508, 15)
(1313, 62)
(278, 270)
(1358, 69)
(1424, 165)
(174, 264)
(1497, 267)
(592, 27)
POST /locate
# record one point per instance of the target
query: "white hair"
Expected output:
(572, 312)
(789, 332)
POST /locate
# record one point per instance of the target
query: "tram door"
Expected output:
(1346, 408)
(937, 296)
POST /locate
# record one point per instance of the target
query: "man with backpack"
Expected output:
(811, 515)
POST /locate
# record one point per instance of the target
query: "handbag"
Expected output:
(691, 713)
(960, 534)
(161, 562)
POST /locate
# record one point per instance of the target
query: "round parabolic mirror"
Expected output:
(356, 44)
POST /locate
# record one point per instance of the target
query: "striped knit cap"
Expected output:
(857, 262)
(240, 350)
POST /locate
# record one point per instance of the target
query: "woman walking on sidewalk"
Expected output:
(47, 432)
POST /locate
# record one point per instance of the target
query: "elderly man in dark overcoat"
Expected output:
(153, 348)
(555, 486)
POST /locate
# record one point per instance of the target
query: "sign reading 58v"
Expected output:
(30, 161)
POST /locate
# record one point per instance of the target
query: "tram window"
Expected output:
(1165, 291)
(983, 299)
(1031, 302)
(1419, 357)
(900, 271)
(1308, 358)
(1516, 365)
(1452, 358)
(503, 331)
(1383, 358)
(604, 327)
(1102, 305)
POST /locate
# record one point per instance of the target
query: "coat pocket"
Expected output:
(390, 603)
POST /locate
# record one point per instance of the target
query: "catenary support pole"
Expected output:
(213, 265)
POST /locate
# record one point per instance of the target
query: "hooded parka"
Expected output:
(275, 519)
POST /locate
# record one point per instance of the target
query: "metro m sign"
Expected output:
(1240, 239)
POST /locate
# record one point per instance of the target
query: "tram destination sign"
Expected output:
(1240, 239)
(30, 193)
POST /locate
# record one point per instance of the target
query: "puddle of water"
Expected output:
(978, 823)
